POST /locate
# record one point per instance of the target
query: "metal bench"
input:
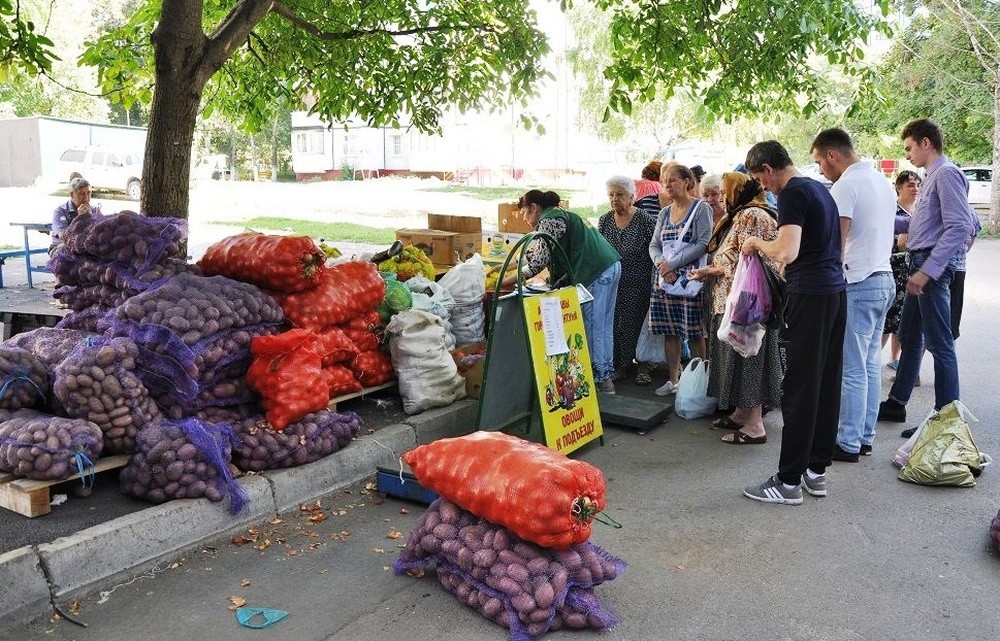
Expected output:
(44, 228)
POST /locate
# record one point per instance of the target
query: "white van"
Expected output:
(105, 168)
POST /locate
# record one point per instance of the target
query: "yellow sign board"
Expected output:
(561, 359)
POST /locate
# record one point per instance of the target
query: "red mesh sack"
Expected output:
(537, 493)
(340, 380)
(288, 375)
(335, 346)
(278, 263)
(341, 293)
(373, 368)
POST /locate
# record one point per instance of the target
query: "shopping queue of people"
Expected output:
(839, 250)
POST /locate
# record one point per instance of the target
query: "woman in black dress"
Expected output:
(629, 231)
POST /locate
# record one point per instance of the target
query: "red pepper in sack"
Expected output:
(373, 368)
(340, 380)
(288, 374)
(535, 492)
(277, 263)
(343, 292)
(335, 346)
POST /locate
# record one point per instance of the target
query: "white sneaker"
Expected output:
(666, 389)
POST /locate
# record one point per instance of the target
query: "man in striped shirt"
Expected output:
(940, 229)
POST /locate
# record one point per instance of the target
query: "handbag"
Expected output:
(692, 399)
(778, 287)
(683, 286)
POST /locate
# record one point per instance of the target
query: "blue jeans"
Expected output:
(927, 319)
(861, 384)
(599, 321)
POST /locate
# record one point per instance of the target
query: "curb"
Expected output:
(38, 577)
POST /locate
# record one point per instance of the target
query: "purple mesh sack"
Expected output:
(76, 269)
(42, 447)
(98, 382)
(49, 344)
(226, 392)
(24, 379)
(318, 434)
(530, 582)
(230, 413)
(183, 459)
(89, 320)
(81, 297)
(580, 610)
(126, 237)
(995, 531)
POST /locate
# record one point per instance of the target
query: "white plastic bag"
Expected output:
(692, 400)
(649, 348)
(466, 282)
(428, 376)
(745, 340)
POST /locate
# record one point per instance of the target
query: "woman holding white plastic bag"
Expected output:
(743, 385)
(679, 243)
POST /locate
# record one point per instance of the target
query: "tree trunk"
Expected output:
(179, 45)
(994, 218)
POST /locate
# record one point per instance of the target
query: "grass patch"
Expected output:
(7, 248)
(346, 232)
(490, 193)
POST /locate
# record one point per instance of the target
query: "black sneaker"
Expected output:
(908, 432)
(866, 450)
(890, 410)
(842, 455)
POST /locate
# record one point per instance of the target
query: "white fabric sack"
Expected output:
(428, 376)
(692, 399)
(424, 303)
(649, 349)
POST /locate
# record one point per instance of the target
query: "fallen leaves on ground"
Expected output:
(74, 607)
(244, 583)
(236, 601)
(394, 534)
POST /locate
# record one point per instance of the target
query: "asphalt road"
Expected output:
(877, 559)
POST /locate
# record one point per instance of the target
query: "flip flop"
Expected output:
(726, 423)
(742, 438)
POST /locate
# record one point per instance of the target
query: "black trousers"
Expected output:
(813, 340)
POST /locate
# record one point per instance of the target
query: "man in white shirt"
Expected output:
(866, 203)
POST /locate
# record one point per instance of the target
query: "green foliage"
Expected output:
(750, 57)
(23, 51)
(347, 172)
(492, 193)
(393, 63)
(332, 232)
(933, 71)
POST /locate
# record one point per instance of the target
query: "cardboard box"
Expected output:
(440, 246)
(474, 379)
(509, 218)
(468, 230)
(497, 245)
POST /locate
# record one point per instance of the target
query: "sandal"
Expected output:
(742, 438)
(726, 423)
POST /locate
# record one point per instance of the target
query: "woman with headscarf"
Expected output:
(743, 385)
(629, 232)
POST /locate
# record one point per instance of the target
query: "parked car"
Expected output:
(980, 184)
(105, 168)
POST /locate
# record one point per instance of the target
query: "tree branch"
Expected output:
(233, 32)
(350, 34)
(966, 17)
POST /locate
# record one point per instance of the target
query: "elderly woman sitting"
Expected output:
(629, 231)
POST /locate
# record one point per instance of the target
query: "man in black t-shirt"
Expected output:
(808, 243)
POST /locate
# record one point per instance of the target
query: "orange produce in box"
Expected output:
(535, 492)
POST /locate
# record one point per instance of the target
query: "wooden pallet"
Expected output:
(368, 390)
(32, 498)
